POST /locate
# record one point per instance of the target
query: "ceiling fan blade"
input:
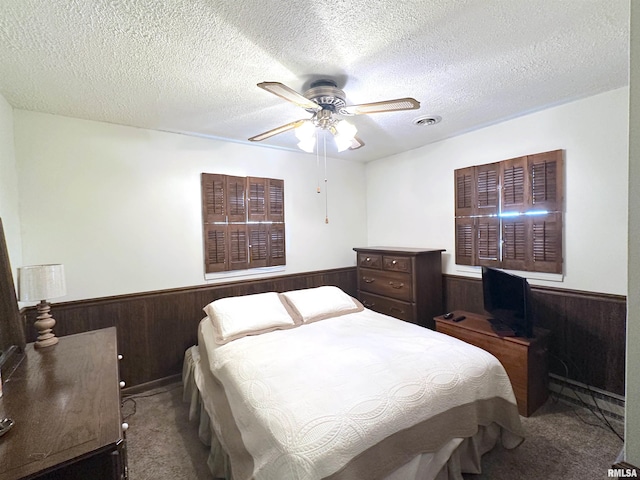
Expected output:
(277, 130)
(356, 143)
(289, 95)
(378, 107)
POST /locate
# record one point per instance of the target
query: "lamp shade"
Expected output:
(305, 131)
(307, 145)
(41, 282)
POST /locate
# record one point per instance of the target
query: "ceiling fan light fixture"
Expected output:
(307, 144)
(342, 142)
(325, 100)
(344, 133)
(347, 129)
(305, 131)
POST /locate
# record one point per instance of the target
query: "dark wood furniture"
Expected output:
(12, 335)
(65, 402)
(405, 283)
(588, 329)
(524, 359)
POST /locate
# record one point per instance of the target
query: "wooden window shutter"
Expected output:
(465, 245)
(546, 243)
(546, 180)
(243, 222)
(487, 179)
(214, 207)
(277, 251)
(464, 195)
(514, 243)
(238, 247)
(487, 241)
(215, 248)
(275, 200)
(258, 245)
(515, 188)
(257, 199)
(516, 213)
(236, 199)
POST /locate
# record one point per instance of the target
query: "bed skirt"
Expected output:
(456, 457)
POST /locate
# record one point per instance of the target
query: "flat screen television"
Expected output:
(507, 300)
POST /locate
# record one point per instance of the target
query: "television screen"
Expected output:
(507, 300)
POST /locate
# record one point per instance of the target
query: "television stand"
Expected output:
(524, 359)
(501, 329)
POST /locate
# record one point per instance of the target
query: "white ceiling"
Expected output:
(192, 66)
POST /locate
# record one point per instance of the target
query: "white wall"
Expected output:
(418, 187)
(120, 206)
(9, 211)
(632, 394)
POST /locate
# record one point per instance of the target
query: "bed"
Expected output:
(309, 384)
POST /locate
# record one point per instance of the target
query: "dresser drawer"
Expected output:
(396, 264)
(402, 275)
(394, 308)
(369, 261)
(389, 284)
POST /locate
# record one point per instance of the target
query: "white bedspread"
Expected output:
(308, 400)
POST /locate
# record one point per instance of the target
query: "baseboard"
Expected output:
(576, 393)
(143, 387)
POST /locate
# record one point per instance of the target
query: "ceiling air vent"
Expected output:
(427, 120)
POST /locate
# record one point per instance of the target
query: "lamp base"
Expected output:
(47, 342)
(44, 324)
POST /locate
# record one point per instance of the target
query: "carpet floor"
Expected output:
(562, 441)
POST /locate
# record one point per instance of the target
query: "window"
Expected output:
(243, 222)
(509, 214)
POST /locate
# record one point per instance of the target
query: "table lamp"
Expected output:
(40, 283)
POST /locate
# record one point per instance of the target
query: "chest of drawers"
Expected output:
(405, 283)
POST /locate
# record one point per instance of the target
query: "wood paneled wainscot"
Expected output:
(405, 283)
(155, 328)
(524, 359)
(65, 402)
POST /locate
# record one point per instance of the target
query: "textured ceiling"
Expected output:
(192, 66)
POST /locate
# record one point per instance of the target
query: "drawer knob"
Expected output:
(125, 426)
(368, 279)
(396, 285)
(394, 262)
(369, 305)
(119, 357)
(368, 259)
(122, 384)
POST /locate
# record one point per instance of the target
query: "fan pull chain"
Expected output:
(317, 163)
(326, 193)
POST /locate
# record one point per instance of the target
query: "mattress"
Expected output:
(361, 395)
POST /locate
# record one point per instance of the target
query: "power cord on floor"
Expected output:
(601, 417)
(132, 399)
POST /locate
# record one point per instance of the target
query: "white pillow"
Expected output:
(313, 304)
(236, 317)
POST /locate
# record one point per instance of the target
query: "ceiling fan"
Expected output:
(327, 104)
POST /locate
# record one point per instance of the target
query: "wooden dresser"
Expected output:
(65, 402)
(405, 283)
(524, 359)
